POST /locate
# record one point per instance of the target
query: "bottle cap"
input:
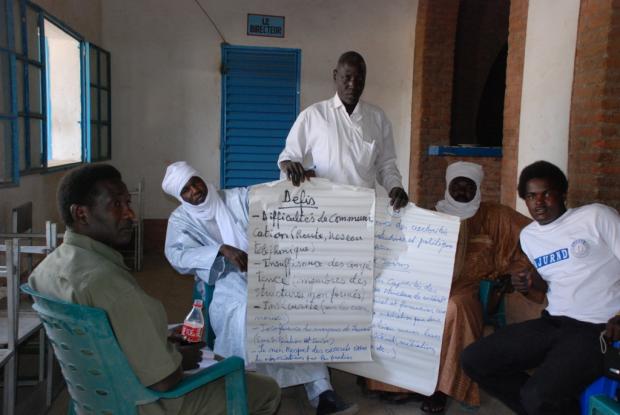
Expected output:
(198, 303)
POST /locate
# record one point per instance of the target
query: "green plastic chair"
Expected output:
(98, 375)
(497, 320)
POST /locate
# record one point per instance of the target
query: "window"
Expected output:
(54, 94)
(64, 97)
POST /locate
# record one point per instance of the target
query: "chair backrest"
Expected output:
(137, 199)
(21, 218)
(98, 375)
(498, 319)
(10, 271)
(7, 353)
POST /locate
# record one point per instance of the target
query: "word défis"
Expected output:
(298, 201)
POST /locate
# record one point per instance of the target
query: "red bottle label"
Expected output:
(192, 334)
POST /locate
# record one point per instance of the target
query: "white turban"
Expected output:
(450, 206)
(213, 208)
(177, 176)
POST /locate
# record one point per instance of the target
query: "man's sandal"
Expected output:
(435, 404)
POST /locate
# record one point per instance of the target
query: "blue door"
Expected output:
(260, 101)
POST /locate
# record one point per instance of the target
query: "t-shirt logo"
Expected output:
(580, 248)
(552, 258)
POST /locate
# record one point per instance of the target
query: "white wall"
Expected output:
(547, 83)
(166, 80)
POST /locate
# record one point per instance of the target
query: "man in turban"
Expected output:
(206, 237)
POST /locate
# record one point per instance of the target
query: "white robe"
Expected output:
(192, 248)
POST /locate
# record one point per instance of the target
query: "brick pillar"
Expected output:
(432, 96)
(512, 102)
(594, 136)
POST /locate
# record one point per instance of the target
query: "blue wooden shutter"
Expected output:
(260, 101)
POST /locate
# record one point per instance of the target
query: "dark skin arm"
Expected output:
(295, 172)
(169, 381)
(612, 329)
(529, 283)
(238, 257)
(191, 356)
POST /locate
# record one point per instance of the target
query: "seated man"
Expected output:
(86, 269)
(576, 253)
(488, 247)
(206, 237)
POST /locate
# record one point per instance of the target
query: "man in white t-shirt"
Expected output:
(576, 253)
(344, 139)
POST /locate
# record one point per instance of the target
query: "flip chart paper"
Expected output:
(310, 272)
(414, 261)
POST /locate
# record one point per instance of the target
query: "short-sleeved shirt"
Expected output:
(578, 255)
(87, 272)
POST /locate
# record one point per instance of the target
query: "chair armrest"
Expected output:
(218, 370)
(484, 291)
(497, 318)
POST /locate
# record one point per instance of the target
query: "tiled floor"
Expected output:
(175, 291)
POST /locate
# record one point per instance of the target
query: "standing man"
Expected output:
(206, 237)
(343, 139)
(86, 269)
(576, 253)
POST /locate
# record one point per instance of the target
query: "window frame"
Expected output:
(22, 117)
(98, 122)
(11, 144)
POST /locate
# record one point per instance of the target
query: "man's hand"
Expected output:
(174, 334)
(295, 171)
(521, 280)
(192, 355)
(398, 198)
(528, 281)
(612, 330)
(238, 257)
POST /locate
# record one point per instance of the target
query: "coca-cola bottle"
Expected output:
(194, 324)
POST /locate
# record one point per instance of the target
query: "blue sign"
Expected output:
(262, 25)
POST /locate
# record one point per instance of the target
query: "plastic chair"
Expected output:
(98, 376)
(204, 292)
(133, 251)
(603, 386)
(498, 319)
(7, 351)
(28, 321)
(603, 405)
